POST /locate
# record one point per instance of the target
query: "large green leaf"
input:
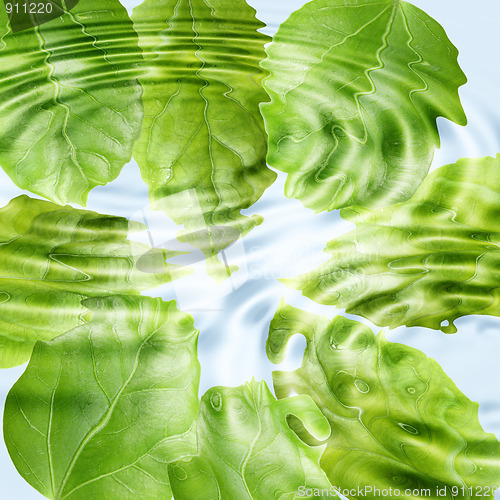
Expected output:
(424, 262)
(70, 107)
(356, 88)
(102, 409)
(247, 450)
(52, 257)
(397, 420)
(203, 146)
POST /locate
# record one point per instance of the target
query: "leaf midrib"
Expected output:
(103, 420)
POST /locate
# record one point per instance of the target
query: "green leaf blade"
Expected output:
(203, 146)
(52, 258)
(247, 450)
(355, 93)
(101, 410)
(424, 262)
(71, 103)
(396, 418)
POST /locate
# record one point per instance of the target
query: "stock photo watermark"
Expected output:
(374, 492)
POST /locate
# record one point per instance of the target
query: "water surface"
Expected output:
(234, 317)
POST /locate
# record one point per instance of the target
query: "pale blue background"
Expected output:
(234, 323)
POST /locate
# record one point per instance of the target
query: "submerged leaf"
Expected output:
(203, 146)
(102, 409)
(424, 262)
(247, 450)
(52, 257)
(71, 104)
(397, 420)
(356, 89)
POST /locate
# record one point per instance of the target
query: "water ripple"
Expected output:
(425, 262)
(51, 258)
(203, 145)
(71, 103)
(355, 98)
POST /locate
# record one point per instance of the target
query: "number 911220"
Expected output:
(29, 8)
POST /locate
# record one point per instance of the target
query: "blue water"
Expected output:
(234, 317)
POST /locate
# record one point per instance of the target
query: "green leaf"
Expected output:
(424, 262)
(71, 103)
(356, 89)
(203, 146)
(101, 410)
(397, 420)
(247, 450)
(52, 257)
